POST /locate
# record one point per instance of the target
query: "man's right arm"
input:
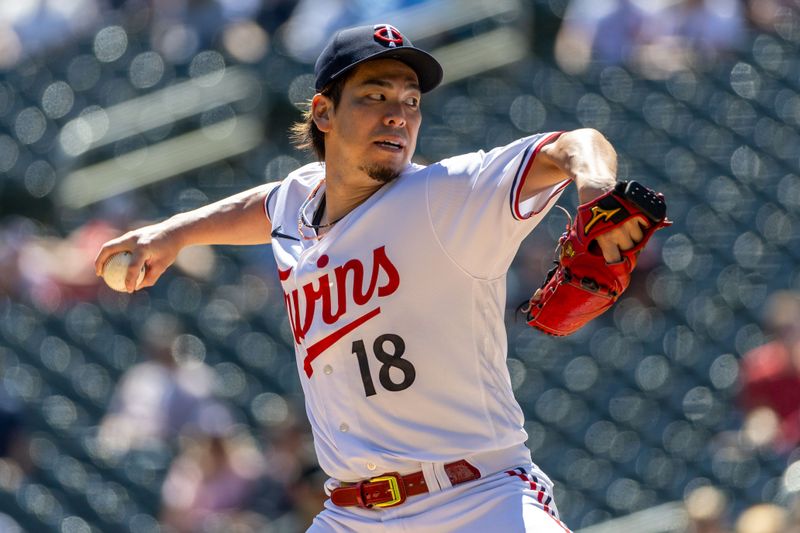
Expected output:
(239, 219)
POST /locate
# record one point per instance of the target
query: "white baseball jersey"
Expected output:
(397, 311)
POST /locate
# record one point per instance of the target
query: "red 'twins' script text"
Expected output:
(350, 289)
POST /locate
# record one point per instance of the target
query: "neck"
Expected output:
(343, 194)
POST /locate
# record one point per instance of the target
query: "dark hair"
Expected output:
(305, 134)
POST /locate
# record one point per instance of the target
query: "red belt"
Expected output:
(389, 490)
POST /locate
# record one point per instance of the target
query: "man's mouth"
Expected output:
(390, 145)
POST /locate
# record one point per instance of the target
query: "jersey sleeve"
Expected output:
(269, 201)
(474, 201)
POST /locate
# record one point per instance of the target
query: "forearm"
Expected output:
(586, 157)
(238, 219)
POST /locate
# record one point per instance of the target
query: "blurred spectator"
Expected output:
(771, 376)
(763, 518)
(15, 460)
(654, 37)
(15, 232)
(210, 483)
(291, 491)
(313, 22)
(607, 31)
(308, 497)
(155, 400)
(706, 508)
(288, 452)
(765, 14)
(293, 506)
(54, 272)
(13, 436)
(180, 28)
(35, 26)
(691, 33)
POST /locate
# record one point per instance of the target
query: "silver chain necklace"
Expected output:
(314, 225)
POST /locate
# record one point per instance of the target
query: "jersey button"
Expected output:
(328, 369)
(371, 466)
(344, 428)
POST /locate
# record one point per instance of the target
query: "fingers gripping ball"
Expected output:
(582, 285)
(116, 268)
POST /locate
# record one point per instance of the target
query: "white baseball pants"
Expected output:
(518, 500)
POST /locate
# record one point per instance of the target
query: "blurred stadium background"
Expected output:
(178, 408)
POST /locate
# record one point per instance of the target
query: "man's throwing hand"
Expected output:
(151, 246)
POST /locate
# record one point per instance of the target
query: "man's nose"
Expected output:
(395, 116)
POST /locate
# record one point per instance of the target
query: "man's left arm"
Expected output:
(587, 158)
(619, 217)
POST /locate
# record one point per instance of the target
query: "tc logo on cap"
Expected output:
(388, 36)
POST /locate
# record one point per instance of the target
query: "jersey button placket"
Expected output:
(327, 370)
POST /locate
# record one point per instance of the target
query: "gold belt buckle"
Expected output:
(396, 489)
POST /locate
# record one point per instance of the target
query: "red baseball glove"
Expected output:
(582, 285)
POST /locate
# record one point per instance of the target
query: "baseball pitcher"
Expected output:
(393, 278)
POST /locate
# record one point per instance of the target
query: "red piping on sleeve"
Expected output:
(521, 177)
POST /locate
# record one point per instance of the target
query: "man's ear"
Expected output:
(321, 111)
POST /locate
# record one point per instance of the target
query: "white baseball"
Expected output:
(115, 269)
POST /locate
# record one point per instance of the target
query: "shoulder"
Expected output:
(293, 190)
(300, 182)
(307, 175)
(479, 160)
(412, 176)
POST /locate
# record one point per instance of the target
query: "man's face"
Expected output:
(374, 128)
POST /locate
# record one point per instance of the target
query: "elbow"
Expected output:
(594, 138)
(586, 154)
(592, 141)
(584, 141)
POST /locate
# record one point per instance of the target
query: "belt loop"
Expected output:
(431, 479)
(330, 485)
(361, 500)
(441, 476)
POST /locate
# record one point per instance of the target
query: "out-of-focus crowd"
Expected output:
(221, 476)
(769, 401)
(660, 37)
(225, 475)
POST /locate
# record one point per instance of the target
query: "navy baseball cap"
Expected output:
(354, 46)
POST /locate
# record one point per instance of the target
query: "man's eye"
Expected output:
(413, 102)
(375, 96)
